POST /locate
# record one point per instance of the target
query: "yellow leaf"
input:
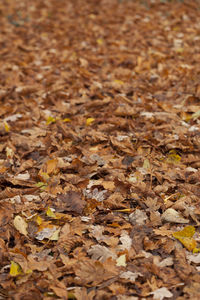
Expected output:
(50, 213)
(6, 126)
(71, 296)
(100, 41)
(176, 28)
(185, 236)
(39, 220)
(196, 250)
(121, 261)
(15, 269)
(67, 120)
(55, 235)
(189, 243)
(118, 81)
(43, 176)
(125, 210)
(173, 157)
(41, 185)
(188, 231)
(179, 50)
(89, 121)
(50, 120)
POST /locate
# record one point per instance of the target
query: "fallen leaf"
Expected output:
(89, 121)
(130, 276)
(185, 236)
(121, 261)
(172, 216)
(101, 253)
(21, 225)
(15, 269)
(161, 293)
(50, 213)
(50, 120)
(71, 201)
(45, 231)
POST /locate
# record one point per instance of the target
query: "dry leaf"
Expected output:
(172, 216)
(101, 253)
(20, 224)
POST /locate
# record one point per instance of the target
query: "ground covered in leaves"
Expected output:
(99, 149)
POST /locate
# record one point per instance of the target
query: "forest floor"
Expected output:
(99, 149)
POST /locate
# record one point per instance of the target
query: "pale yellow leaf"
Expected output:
(121, 261)
(21, 225)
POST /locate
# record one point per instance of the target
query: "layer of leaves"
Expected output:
(99, 149)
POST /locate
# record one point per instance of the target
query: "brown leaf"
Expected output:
(90, 272)
(71, 201)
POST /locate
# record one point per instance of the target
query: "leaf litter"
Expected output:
(99, 150)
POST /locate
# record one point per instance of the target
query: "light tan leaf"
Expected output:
(21, 225)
